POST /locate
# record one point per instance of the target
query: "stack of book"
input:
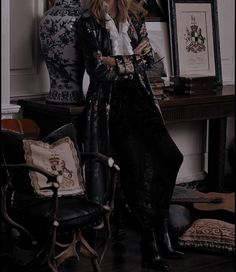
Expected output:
(157, 85)
(193, 84)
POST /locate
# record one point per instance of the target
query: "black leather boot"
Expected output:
(165, 244)
(151, 258)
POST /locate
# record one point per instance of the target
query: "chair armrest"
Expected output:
(109, 161)
(32, 167)
(52, 179)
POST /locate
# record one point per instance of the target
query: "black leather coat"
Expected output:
(95, 39)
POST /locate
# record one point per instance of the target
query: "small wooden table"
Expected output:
(215, 108)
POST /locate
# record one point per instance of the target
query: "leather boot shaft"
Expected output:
(150, 253)
(164, 241)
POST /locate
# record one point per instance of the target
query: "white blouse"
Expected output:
(119, 37)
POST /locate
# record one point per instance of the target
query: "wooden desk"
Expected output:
(215, 108)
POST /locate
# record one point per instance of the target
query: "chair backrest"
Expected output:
(13, 154)
(27, 127)
(56, 151)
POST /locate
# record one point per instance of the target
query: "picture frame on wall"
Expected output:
(194, 38)
(159, 38)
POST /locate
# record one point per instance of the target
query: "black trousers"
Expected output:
(148, 157)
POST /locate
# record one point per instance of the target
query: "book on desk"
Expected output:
(193, 84)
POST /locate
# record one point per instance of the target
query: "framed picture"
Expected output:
(194, 35)
(159, 38)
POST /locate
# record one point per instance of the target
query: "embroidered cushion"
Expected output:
(59, 157)
(209, 234)
(13, 152)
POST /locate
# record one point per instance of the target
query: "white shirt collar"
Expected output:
(119, 37)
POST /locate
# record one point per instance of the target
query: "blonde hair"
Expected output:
(96, 7)
(50, 3)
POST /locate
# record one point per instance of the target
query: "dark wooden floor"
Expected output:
(124, 256)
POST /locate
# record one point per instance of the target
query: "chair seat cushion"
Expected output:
(78, 212)
(73, 212)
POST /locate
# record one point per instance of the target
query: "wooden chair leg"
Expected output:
(89, 252)
(51, 261)
(52, 265)
(70, 250)
(96, 266)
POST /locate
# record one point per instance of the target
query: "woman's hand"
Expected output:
(108, 61)
(143, 48)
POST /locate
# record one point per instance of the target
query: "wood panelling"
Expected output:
(28, 73)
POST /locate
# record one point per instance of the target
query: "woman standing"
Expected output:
(124, 120)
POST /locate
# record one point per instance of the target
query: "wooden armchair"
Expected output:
(49, 226)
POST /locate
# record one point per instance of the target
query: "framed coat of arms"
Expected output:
(195, 42)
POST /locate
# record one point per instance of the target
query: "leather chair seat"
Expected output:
(73, 213)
